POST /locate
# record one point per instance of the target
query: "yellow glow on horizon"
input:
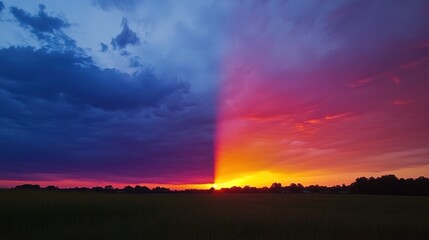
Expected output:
(254, 179)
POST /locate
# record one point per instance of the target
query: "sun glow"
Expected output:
(254, 179)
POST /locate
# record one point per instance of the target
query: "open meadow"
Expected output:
(86, 215)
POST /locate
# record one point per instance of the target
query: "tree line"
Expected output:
(387, 184)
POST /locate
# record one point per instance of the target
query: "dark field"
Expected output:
(72, 215)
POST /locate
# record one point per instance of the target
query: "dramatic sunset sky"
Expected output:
(212, 92)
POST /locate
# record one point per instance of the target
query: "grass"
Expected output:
(74, 215)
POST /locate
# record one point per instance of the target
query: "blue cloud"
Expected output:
(62, 114)
(126, 37)
(47, 29)
(1, 6)
(40, 23)
(104, 47)
(135, 62)
(74, 77)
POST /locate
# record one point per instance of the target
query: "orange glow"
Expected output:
(251, 139)
(254, 179)
(270, 133)
(242, 157)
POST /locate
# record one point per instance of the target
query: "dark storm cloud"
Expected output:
(126, 5)
(1, 6)
(63, 115)
(72, 77)
(126, 37)
(48, 29)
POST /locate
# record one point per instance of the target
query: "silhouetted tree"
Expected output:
(51, 187)
(387, 184)
(28, 186)
(390, 184)
(140, 189)
(128, 189)
(295, 188)
(109, 188)
(97, 189)
(276, 188)
(160, 190)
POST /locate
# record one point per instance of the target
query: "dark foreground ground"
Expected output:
(72, 215)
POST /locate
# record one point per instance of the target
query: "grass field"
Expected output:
(73, 215)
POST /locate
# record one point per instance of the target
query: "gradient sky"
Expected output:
(195, 93)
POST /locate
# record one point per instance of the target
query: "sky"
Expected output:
(212, 93)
